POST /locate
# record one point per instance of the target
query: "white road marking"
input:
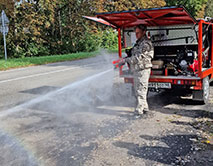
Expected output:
(11, 70)
(42, 98)
(51, 72)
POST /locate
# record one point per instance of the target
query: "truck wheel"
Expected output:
(211, 83)
(206, 90)
(203, 95)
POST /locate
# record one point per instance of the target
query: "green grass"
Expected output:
(115, 50)
(32, 61)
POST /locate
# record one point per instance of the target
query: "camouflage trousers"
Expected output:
(141, 80)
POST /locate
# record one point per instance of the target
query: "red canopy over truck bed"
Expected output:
(176, 32)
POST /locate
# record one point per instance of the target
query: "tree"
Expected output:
(8, 6)
(193, 6)
(119, 5)
(31, 23)
(41, 27)
(208, 9)
(201, 13)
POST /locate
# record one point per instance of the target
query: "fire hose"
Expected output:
(120, 62)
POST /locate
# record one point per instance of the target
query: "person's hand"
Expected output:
(121, 62)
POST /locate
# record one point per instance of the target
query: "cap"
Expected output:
(142, 27)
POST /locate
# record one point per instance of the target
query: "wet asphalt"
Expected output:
(52, 114)
(58, 114)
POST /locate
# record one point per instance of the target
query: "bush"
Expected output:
(27, 50)
(91, 42)
(88, 41)
(109, 39)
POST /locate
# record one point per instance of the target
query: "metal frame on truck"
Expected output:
(164, 18)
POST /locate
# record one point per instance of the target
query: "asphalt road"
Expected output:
(19, 85)
(80, 113)
(51, 114)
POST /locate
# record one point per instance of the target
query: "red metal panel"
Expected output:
(99, 20)
(160, 80)
(198, 85)
(150, 17)
(200, 47)
(203, 74)
(166, 72)
(206, 73)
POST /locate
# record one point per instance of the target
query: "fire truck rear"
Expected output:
(183, 47)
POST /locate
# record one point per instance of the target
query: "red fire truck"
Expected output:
(183, 47)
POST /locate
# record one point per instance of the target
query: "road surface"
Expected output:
(80, 113)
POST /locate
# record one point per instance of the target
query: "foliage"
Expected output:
(193, 6)
(119, 5)
(201, 13)
(109, 39)
(208, 9)
(42, 27)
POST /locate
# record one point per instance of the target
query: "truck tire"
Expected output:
(211, 82)
(206, 90)
(203, 95)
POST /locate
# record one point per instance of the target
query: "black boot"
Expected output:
(147, 113)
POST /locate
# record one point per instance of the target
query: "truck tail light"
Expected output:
(184, 82)
(193, 82)
(179, 82)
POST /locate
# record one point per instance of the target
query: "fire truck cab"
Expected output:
(183, 47)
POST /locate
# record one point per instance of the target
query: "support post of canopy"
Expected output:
(200, 47)
(120, 48)
(119, 43)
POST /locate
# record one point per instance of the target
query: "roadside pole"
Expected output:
(4, 23)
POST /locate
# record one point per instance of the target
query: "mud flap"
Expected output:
(198, 95)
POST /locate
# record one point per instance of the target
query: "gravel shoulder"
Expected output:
(174, 136)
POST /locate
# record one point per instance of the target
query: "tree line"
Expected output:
(47, 27)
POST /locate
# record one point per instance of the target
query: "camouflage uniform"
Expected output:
(140, 64)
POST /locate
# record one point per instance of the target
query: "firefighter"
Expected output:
(140, 64)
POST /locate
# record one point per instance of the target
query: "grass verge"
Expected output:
(114, 50)
(33, 61)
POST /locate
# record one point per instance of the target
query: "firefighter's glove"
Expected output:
(129, 52)
(121, 63)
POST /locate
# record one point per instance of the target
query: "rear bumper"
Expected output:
(187, 82)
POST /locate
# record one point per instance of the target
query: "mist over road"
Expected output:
(80, 113)
(19, 85)
(54, 114)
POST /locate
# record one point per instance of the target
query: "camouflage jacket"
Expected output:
(142, 54)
